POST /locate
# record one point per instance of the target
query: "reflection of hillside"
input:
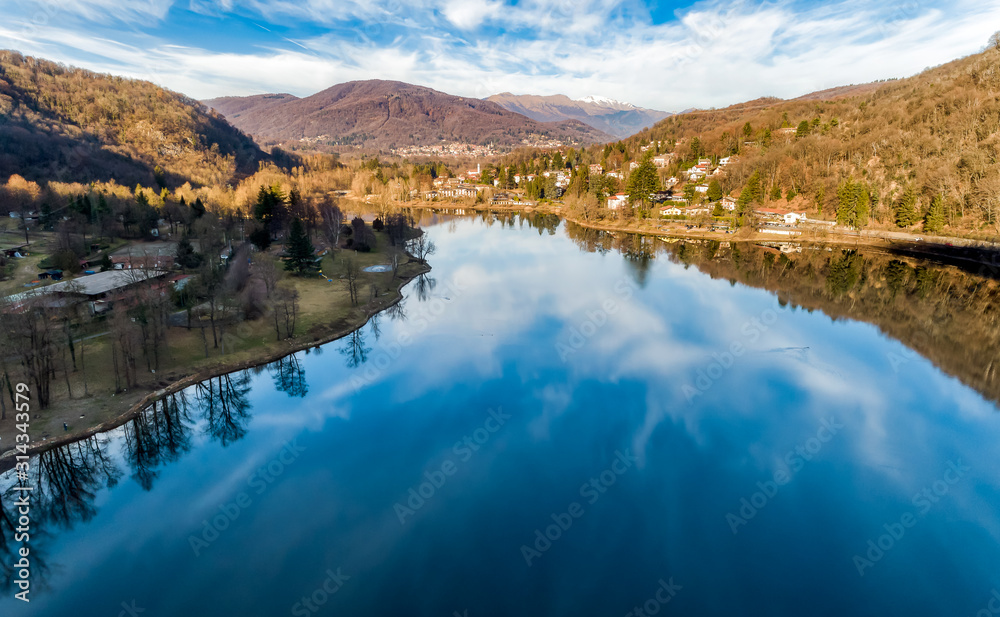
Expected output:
(945, 314)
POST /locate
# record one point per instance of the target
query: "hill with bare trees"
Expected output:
(73, 125)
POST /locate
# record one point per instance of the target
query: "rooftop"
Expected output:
(102, 282)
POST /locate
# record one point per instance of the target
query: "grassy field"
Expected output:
(325, 312)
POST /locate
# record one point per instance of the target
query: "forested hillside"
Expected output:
(913, 153)
(73, 125)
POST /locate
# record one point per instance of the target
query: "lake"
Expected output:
(558, 421)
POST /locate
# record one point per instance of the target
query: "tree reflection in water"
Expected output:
(289, 376)
(65, 483)
(354, 349)
(397, 312)
(225, 406)
(424, 286)
(158, 435)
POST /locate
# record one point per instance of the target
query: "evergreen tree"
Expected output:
(775, 193)
(714, 191)
(854, 204)
(747, 130)
(643, 182)
(186, 256)
(934, 220)
(803, 130)
(751, 192)
(299, 254)
(906, 208)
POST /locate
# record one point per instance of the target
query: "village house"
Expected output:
(460, 191)
(728, 203)
(663, 160)
(596, 170)
(770, 214)
(504, 199)
(672, 210)
(794, 218)
(783, 216)
(98, 291)
(617, 201)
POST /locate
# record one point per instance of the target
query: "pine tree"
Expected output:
(751, 192)
(186, 256)
(934, 220)
(714, 191)
(775, 193)
(643, 182)
(854, 204)
(906, 208)
(803, 130)
(299, 255)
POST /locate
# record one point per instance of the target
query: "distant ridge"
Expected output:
(605, 114)
(392, 114)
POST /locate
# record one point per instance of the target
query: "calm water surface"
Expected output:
(543, 430)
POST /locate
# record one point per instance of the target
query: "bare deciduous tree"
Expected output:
(421, 248)
(351, 274)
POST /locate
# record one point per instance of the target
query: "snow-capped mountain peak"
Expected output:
(606, 102)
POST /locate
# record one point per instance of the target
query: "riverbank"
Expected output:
(106, 412)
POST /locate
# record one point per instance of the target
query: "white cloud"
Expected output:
(715, 54)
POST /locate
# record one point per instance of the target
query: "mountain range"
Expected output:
(390, 114)
(606, 115)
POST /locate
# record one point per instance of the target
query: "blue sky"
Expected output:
(665, 55)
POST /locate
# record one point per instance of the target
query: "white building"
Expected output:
(617, 201)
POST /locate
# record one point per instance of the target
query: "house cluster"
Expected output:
(455, 188)
(449, 149)
(684, 210)
(704, 169)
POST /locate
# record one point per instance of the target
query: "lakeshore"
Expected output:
(326, 316)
